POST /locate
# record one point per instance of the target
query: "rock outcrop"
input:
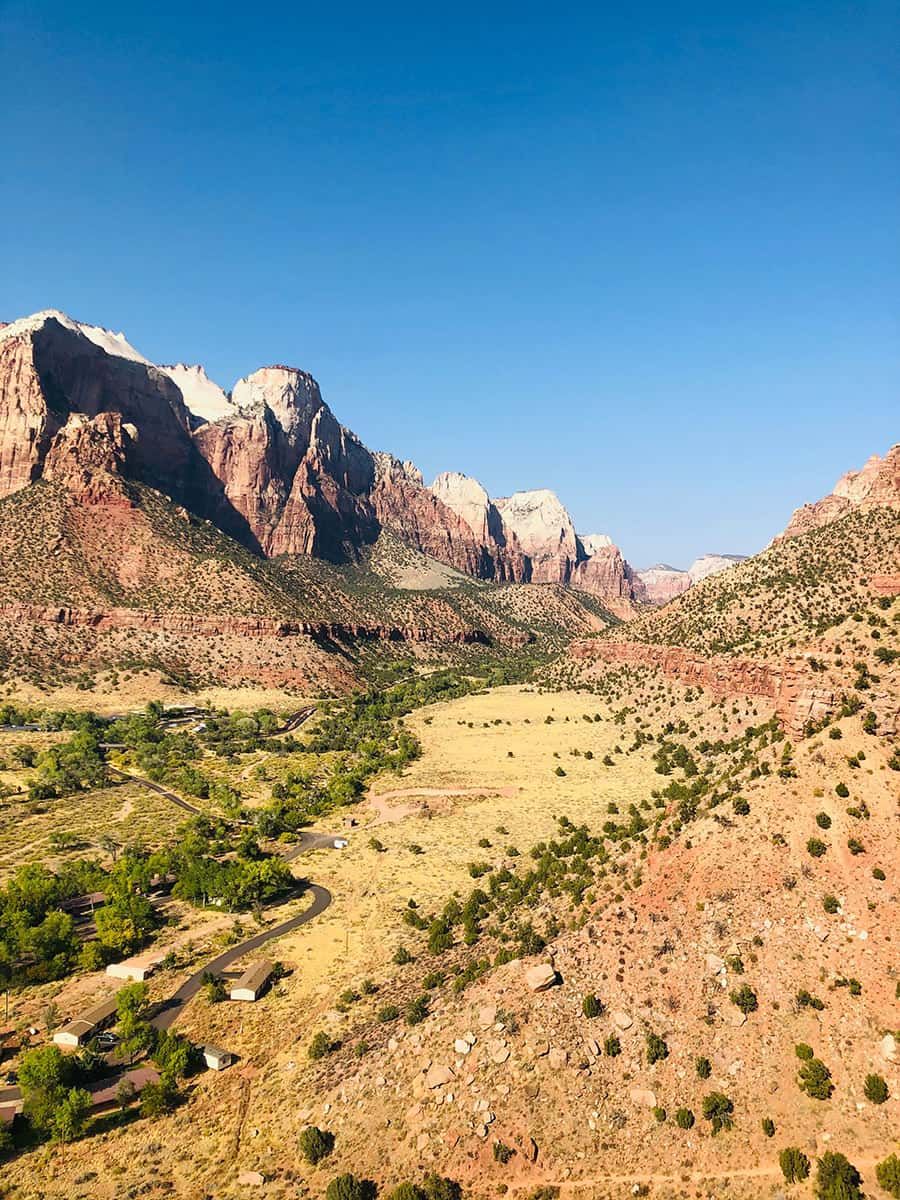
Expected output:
(712, 564)
(269, 465)
(663, 583)
(877, 485)
(798, 696)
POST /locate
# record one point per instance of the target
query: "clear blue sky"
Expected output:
(645, 255)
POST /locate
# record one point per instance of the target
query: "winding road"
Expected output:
(172, 1008)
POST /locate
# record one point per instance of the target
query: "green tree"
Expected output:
(348, 1187)
(159, 1098)
(887, 1172)
(718, 1109)
(684, 1118)
(837, 1178)
(794, 1164)
(315, 1144)
(70, 1115)
(745, 999)
(815, 1079)
(875, 1089)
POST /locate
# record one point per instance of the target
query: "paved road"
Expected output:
(160, 791)
(173, 1007)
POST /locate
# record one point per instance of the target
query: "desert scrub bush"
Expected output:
(878, 874)
(816, 847)
(591, 1006)
(315, 1144)
(407, 1191)
(659, 1114)
(439, 1187)
(815, 1079)
(831, 904)
(348, 1187)
(803, 1051)
(837, 1178)
(417, 1010)
(657, 1049)
(768, 1127)
(855, 847)
(703, 1067)
(745, 999)
(794, 1164)
(718, 1109)
(502, 1152)
(684, 1118)
(321, 1045)
(842, 790)
(806, 999)
(402, 956)
(823, 820)
(887, 1172)
(612, 1047)
(875, 1089)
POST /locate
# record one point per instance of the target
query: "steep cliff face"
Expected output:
(298, 477)
(545, 531)
(663, 583)
(877, 485)
(269, 465)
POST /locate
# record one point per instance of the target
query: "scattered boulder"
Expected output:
(541, 977)
(890, 1048)
(621, 1020)
(437, 1076)
(643, 1097)
(251, 1179)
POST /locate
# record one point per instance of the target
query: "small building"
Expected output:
(106, 1094)
(87, 1025)
(138, 968)
(340, 843)
(83, 906)
(253, 981)
(217, 1059)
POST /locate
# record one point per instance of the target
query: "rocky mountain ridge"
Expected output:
(269, 464)
(876, 485)
(662, 583)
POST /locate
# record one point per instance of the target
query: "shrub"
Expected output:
(348, 1187)
(407, 1191)
(842, 790)
(718, 1109)
(806, 999)
(815, 847)
(855, 847)
(684, 1118)
(388, 1012)
(815, 1079)
(878, 874)
(740, 806)
(657, 1049)
(402, 956)
(875, 1089)
(502, 1152)
(703, 1067)
(660, 1114)
(612, 1047)
(837, 1178)
(888, 1175)
(768, 1126)
(591, 1006)
(315, 1144)
(803, 1051)
(439, 1187)
(321, 1045)
(823, 820)
(745, 999)
(417, 1010)
(794, 1164)
(830, 903)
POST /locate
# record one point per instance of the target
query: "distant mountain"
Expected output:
(663, 583)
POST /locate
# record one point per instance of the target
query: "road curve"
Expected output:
(160, 791)
(172, 1008)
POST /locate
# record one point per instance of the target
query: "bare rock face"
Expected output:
(712, 564)
(502, 557)
(88, 457)
(593, 543)
(877, 485)
(297, 477)
(605, 574)
(663, 583)
(205, 399)
(545, 531)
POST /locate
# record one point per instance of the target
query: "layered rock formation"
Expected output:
(663, 583)
(269, 465)
(798, 696)
(877, 485)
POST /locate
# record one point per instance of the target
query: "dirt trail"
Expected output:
(386, 812)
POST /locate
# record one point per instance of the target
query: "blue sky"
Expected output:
(645, 255)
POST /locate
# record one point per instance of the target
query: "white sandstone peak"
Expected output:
(203, 397)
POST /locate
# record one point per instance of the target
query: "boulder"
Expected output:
(890, 1048)
(643, 1097)
(437, 1076)
(621, 1020)
(541, 977)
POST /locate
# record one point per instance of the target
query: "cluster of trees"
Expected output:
(55, 1086)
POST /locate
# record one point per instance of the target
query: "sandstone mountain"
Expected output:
(271, 466)
(877, 485)
(663, 583)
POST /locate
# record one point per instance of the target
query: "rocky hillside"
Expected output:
(877, 485)
(270, 465)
